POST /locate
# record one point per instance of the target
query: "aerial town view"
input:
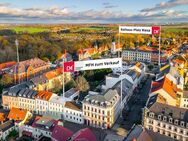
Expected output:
(93, 70)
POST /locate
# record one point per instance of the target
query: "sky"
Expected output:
(93, 11)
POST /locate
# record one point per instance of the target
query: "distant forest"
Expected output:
(51, 45)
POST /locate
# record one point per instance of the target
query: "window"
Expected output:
(176, 122)
(175, 136)
(159, 117)
(151, 121)
(170, 120)
(151, 115)
(182, 124)
(169, 127)
(175, 129)
(164, 118)
(181, 131)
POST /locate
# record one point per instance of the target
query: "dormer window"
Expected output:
(159, 117)
(151, 115)
(170, 120)
(182, 124)
(164, 118)
(176, 122)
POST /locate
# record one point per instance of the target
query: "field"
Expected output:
(92, 28)
(29, 29)
(175, 29)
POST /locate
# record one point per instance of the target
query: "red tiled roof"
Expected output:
(138, 64)
(167, 86)
(17, 114)
(54, 73)
(45, 95)
(179, 61)
(84, 135)
(2, 117)
(60, 133)
(7, 64)
(144, 48)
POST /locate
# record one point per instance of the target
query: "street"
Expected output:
(135, 104)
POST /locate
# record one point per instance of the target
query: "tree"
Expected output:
(82, 84)
(150, 67)
(69, 85)
(6, 80)
(57, 86)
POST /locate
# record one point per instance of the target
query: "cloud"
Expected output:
(56, 14)
(4, 4)
(108, 5)
(166, 5)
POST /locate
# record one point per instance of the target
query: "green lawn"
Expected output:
(87, 29)
(30, 29)
(175, 30)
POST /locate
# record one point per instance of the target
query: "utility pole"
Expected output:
(121, 107)
(63, 78)
(17, 54)
(160, 49)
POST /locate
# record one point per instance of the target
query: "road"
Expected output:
(135, 104)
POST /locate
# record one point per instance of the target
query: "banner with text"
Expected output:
(92, 64)
(140, 30)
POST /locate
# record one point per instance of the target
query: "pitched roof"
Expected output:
(45, 95)
(39, 79)
(179, 61)
(2, 117)
(54, 73)
(7, 64)
(35, 63)
(72, 105)
(84, 135)
(17, 114)
(167, 86)
(45, 123)
(139, 133)
(168, 110)
(60, 133)
(5, 126)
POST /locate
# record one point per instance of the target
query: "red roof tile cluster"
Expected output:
(61, 134)
(7, 64)
(144, 48)
(45, 95)
(17, 114)
(2, 117)
(84, 135)
(167, 86)
(54, 73)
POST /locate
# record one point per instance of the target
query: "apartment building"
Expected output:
(139, 133)
(184, 100)
(56, 106)
(73, 112)
(167, 89)
(101, 110)
(143, 55)
(6, 128)
(50, 79)
(42, 102)
(27, 69)
(166, 119)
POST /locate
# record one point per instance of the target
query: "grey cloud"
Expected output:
(55, 14)
(108, 5)
(166, 5)
(5, 4)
